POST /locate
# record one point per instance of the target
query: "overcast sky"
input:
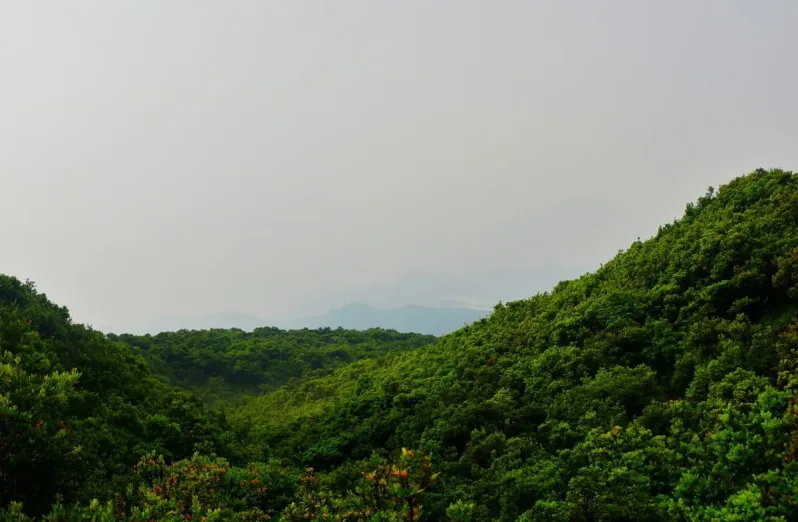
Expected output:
(186, 157)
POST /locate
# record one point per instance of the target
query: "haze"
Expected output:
(184, 158)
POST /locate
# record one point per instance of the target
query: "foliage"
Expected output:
(390, 491)
(223, 364)
(76, 409)
(209, 489)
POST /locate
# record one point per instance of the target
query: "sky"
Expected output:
(279, 158)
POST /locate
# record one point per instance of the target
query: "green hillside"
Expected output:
(225, 364)
(658, 387)
(661, 387)
(78, 410)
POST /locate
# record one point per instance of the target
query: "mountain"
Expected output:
(480, 290)
(661, 387)
(418, 319)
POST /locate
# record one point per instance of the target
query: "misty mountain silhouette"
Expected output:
(355, 316)
(410, 318)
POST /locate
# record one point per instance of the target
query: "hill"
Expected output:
(663, 386)
(660, 387)
(77, 410)
(90, 424)
(223, 363)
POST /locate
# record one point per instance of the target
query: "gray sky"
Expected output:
(185, 157)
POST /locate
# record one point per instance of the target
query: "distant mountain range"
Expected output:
(442, 303)
(355, 316)
(418, 319)
(446, 290)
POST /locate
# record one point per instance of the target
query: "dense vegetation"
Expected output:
(664, 386)
(225, 363)
(78, 410)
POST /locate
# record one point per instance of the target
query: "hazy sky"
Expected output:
(186, 157)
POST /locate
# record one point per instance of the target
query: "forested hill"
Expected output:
(663, 386)
(77, 410)
(223, 363)
(87, 416)
(660, 387)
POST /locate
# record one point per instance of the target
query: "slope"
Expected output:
(77, 410)
(226, 364)
(660, 387)
(88, 432)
